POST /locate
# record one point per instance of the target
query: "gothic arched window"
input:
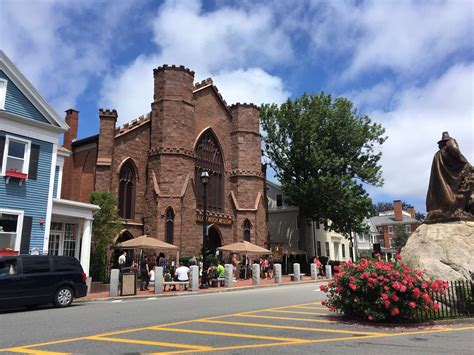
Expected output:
(246, 229)
(209, 158)
(127, 186)
(169, 226)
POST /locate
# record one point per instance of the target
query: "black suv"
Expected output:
(29, 280)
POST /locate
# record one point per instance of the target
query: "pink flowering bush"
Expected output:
(381, 291)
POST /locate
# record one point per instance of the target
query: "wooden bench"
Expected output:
(292, 276)
(174, 283)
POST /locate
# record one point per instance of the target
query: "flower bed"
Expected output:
(376, 290)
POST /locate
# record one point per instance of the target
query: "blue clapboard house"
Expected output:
(33, 217)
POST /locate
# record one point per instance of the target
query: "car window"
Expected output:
(65, 264)
(33, 265)
(8, 267)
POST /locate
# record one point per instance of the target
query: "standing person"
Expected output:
(270, 267)
(144, 271)
(192, 261)
(318, 265)
(122, 260)
(234, 261)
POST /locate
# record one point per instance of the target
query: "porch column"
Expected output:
(86, 245)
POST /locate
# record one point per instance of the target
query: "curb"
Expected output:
(223, 290)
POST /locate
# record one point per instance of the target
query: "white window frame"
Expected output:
(19, 225)
(276, 200)
(3, 93)
(26, 163)
(390, 229)
(360, 238)
(407, 228)
(62, 233)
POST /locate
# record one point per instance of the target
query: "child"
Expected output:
(167, 278)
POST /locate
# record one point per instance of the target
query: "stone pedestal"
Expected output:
(256, 274)
(444, 250)
(228, 275)
(277, 273)
(158, 279)
(194, 278)
(314, 271)
(328, 272)
(114, 282)
(296, 272)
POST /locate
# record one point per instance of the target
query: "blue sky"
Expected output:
(409, 65)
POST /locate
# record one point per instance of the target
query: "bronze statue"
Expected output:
(451, 184)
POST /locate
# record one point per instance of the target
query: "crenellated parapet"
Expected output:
(130, 126)
(173, 67)
(107, 113)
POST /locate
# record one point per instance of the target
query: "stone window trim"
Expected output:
(19, 225)
(26, 154)
(3, 93)
(127, 191)
(390, 229)
(407, 228)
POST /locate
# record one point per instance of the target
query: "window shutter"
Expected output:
(34, 158)
(2, 147)
(26, 235)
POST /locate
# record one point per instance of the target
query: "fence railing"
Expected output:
(456, 301)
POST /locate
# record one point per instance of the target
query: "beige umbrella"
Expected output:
(146, 242)
(244, 248)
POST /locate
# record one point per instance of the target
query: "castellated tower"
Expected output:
(247, 174)
(171, 156)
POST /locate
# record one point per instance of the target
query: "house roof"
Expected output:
(27, 89)
(84, 141)
(390, 220)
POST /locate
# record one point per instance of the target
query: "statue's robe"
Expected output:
(448, 164)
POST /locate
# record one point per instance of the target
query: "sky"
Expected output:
(409, 65)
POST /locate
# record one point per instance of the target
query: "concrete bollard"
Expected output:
(296, 272)
(194, 278)
(89, 284)
(328, 272)
(314, 272)
(277, 273)
(228, 275)
(114, 282)
(158, 279)
(256, 274)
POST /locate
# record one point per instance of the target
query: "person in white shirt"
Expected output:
(182, 274)
(122, 260)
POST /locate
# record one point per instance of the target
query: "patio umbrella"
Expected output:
(146, 242)
(245, 248)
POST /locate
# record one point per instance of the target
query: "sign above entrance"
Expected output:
(214, 219)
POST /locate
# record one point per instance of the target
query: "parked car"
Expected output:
(30, 280)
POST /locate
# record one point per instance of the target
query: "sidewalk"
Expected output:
(237, 286)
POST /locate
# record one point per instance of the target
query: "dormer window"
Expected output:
(16, 156)
(3, 93)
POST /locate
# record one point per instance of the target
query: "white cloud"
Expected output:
(415, 125)
(56, 50)
(220, 44)
(375, 96)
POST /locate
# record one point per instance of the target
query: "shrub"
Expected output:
(381, 291)
(184, 259)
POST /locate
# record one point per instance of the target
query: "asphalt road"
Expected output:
(286, 319)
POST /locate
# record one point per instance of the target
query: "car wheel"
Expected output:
(63, 297)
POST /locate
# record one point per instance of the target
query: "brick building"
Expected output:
(153, 165)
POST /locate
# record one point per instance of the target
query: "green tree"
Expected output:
(106, 226)
(323, 152)
(400, 237)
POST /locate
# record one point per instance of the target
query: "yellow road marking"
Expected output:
(305, 307)
(289, 327)
(38, 352)
(249, 336)
(148, 342)
(295, 312)
(286, 318)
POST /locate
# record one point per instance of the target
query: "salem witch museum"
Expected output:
(153, 165)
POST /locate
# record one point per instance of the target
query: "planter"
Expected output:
(8, 253)
(15, 174)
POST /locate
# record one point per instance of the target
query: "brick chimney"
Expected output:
(105, 153)
(397, 209)
(411, 211)
(72, 120)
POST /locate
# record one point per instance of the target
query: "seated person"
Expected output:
(211, 274)
(182, 274)
(8, 267)
(167, 278)
(220, 270)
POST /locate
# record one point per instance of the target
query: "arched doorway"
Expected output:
(122, 237)
(214, 240)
